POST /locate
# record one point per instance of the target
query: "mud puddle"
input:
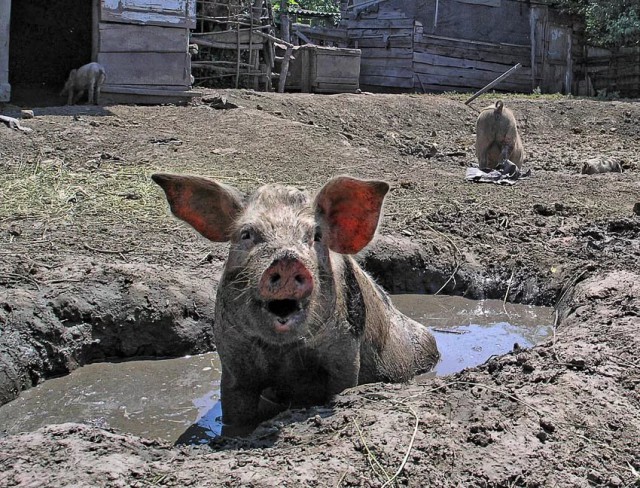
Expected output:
(469, 332)
(178, 399)
(156, 399)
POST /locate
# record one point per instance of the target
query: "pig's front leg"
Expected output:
(507, 149)
(91, 91)
(239, 406)
(344, 368)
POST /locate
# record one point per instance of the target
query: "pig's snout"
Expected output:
(286, 279)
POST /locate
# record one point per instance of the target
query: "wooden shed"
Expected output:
(446, 45)
(143, 45)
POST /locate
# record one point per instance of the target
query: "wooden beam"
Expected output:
(493, 83)
(256, 45)
(303, 37)
(273, 38)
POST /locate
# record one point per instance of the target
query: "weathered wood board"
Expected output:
(176, 13)
(324, 70)
(141, 38)
(146, 68)
(387, 81)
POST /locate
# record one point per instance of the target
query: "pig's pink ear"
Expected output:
(350, 210)
(208, 206)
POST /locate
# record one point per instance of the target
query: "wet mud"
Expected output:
(161, 399)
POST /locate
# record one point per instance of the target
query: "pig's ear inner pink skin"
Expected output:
(349, 210)
(208, 206)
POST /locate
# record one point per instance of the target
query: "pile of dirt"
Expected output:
(564, 413)
(92, 267)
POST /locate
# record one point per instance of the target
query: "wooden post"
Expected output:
(285, 68)
(305, 69)
(268, 61)
(95, 30)
(284, 21)
(238, 55)
(5, 19)
(493, 83)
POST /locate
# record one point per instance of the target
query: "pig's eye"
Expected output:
(317, 237)
(245, 235)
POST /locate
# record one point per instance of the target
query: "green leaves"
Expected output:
(607, 22)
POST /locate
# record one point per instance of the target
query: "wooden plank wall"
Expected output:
(614, 70)
(153, 56)
(400, 53)
(506, 21)
(384, 34)
(447, 64)
(467, 44)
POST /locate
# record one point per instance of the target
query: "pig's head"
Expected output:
(68, 85)
(279, 283)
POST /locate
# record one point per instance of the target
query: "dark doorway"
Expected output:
(48, 38)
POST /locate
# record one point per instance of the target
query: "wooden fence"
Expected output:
(610, 71)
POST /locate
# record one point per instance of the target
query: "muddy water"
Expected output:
(178, 399)
(469, 332)
(150, 398)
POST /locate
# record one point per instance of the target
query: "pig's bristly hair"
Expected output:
(273, 208)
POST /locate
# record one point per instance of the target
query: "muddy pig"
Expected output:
(297, 320)
(88, 78)
(597, 165)
(497, 137)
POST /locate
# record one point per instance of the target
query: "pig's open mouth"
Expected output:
(283, 308)
(287, 313)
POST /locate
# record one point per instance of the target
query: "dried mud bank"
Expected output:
(91, 312)
(401, 265)
(565, 413)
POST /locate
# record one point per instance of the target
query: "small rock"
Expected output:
(547, 425)
(27, 114)
(219, 103)
(594, 477)
(407, 185)
(543, 210)
(576, 130)
(615, 481)
(259, 107)
(636, 208)
(542, 436)
(577, 363)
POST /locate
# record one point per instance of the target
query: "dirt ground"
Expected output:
(93, 267)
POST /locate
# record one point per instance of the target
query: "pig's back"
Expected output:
(394, 348)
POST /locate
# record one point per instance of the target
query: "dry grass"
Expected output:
(47, 189)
